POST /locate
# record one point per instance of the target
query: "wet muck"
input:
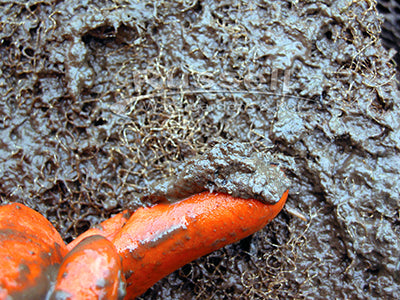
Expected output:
(103, 101)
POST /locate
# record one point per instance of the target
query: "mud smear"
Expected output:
(227, 168)
(101, 101)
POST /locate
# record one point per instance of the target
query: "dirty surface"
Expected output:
(103, 99)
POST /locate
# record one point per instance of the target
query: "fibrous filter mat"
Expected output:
(101, 99)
